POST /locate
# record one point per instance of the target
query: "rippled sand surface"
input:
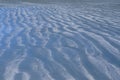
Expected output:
(60, 42)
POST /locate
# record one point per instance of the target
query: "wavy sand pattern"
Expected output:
(51, 42)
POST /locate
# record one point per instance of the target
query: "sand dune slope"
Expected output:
(53, 42)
